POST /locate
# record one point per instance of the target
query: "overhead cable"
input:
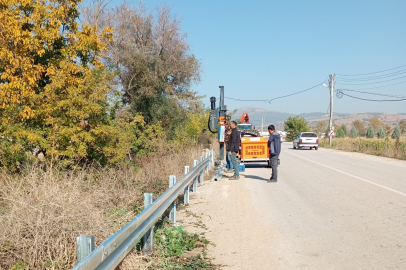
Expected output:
(341, 94)
(371, 82)
(371, 72)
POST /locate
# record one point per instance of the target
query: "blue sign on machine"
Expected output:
(221, 133)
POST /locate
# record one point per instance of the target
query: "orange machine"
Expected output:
(254, 148)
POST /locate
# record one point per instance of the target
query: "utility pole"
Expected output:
(331, 84)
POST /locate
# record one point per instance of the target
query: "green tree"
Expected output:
(340, 133)
(370, 132)
(295, 125)
(344, 128)
(156, 67)
(381, 133)
(396, 133)
(354, 133)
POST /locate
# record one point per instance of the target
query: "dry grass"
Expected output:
(392, 148)
(42, 211)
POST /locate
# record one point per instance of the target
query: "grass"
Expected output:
(392, 148)
(43, 210)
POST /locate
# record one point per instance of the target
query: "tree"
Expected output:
(381, 133)
(344, 128)
(340, 133)
(156, 68)
(354, 133)
(370, 132)
(53, 90)
(321, 126)
(388, 130)
(402, 127)
(360, 127)
(295, 125)
(375, 123)
(396, 133)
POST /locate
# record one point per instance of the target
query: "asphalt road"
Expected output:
(328, 210)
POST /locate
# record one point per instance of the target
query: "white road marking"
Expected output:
(354, 176)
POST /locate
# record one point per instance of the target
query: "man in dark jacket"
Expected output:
(204, 140)
(274, 144)
(234, 148)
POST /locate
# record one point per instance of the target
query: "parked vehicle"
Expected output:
(306, 139)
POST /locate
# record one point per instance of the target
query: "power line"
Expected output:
(270, 100)
(341, 94)
(376, 77)
(381, 86)
(370, 93)
(372, 82)
(372, 72)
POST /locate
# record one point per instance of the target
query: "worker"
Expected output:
(274, 144)
(234, 149)
(229, 167)
(204, 140)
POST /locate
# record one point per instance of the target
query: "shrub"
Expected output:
(370, 132)
(396, 133)
(354, 133)
(381, 133)
(340, 133)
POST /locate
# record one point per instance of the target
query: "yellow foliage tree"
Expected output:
(53, 90)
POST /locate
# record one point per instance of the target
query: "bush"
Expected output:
(370, 132)
(344, 128)
(354, 133)
(396, 133)
(340, 133)
(381, 134)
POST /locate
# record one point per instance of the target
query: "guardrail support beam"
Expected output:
(195, 162)
(172, 208)
(148, 248)
(207, 166)
(187, 189)
(84, 246)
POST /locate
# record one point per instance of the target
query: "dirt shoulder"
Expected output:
(225, 213)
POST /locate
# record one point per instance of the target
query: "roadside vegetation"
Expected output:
(96, 108)
(375, 139)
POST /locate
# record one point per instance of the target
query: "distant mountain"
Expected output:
(277, 118)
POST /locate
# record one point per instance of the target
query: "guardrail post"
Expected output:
(172, 207)
(149, 235)
(207, 166)
(202, 172)
(212, 157)
(195, 162)
(84, 246)
(187, 189)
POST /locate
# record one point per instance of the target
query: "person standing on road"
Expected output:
(204, 140)
(234, 149)
(230, 166)
(274, 144)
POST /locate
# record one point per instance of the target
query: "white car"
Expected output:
(306, 139)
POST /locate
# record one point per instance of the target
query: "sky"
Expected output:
(270, 48)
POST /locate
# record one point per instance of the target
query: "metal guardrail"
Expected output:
(112, 251)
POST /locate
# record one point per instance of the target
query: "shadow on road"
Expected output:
(256, 177)
(256, 165)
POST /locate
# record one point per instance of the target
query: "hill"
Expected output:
(277, 118)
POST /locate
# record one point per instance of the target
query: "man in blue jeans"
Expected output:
(230, 166)
(234, 142)
(274, 144)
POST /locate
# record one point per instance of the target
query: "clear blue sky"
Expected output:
(264, 49)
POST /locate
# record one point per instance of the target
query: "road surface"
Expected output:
(328, 210)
